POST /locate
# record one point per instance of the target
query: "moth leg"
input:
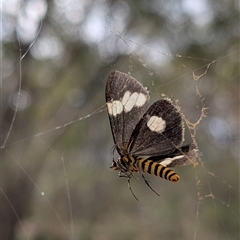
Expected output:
(128, 176)
(135, 177)
(130, 188)
(113, 150)
(147, 182)
(122, 174)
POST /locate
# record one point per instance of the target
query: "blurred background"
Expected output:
(56, 142)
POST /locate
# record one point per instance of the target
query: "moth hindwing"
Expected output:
(147, 140)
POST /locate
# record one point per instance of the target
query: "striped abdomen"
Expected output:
(157, 169)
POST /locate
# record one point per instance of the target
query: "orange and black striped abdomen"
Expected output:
(157, 169)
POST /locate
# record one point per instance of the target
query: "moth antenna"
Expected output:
(147, 182)
(113, 149)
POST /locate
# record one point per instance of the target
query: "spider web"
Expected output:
(55, 180)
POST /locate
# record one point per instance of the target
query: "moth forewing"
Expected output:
(127, 101)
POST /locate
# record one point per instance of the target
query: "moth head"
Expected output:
(114, 165)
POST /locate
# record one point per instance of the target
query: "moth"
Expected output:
(147, 140)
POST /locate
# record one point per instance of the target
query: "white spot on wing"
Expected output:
(109, 107)
(114, 108)
(131, 102)
(156, 124)
(141, 100)
(127, 103)
(168, 161)
(126, 97)
(117, 107)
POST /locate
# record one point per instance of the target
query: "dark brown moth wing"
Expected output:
(181, 156)
(159, 132)
(127, 101)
